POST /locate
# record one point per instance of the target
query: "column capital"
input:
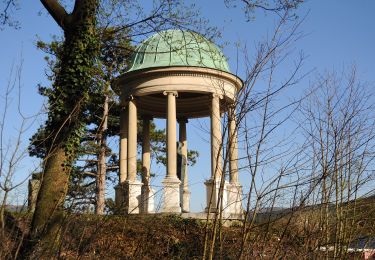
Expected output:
(182, 120)
(129, 98)
(170, 92)
(217, 95)
(232, 105)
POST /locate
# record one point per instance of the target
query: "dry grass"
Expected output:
(167, 237)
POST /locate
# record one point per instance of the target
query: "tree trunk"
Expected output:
(102, 167)
(49, 208)
(64, 124)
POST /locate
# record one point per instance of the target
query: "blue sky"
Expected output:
(338, 33)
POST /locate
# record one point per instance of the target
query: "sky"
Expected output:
(337, 34)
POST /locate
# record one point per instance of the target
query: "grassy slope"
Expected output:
(171, 237)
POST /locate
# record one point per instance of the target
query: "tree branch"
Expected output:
(57, 11)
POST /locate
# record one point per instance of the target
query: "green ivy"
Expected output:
(70, 91)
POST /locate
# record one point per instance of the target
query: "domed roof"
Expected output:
(178, 48)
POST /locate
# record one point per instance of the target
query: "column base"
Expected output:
(148, 204)
(171, 201)
(234, 204)
(212, 191)
(185, 201)
(132, 196)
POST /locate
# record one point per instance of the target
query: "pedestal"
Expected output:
(132, 196)
(212, 191)
(185, 201)
(234, 203)
(171, 200)
(148, 204)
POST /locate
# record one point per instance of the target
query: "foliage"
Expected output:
(115, 49)
(63, 102)
(112, 60)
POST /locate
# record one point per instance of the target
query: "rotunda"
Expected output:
(177, 75)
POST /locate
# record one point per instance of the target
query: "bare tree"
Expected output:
(259, 117)
(7, 10)
(13, 149)
(340, 129)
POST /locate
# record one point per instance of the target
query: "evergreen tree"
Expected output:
(96, 163)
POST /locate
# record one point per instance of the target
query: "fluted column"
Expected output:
(147, 193)
(171, 182)
(184, 187)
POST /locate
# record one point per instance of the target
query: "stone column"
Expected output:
(234, 188)
(123, 154)
(216, 166)
(233, 143)
(213, 184)
(171, 182)
(147, 192)
(132, 141)
(132, 185)
(123, 145)
(184, 187)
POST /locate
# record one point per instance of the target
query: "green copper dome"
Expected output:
(178, 48)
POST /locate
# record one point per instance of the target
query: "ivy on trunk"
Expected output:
(66, 104)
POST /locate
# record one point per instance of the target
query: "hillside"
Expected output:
(285, 233)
